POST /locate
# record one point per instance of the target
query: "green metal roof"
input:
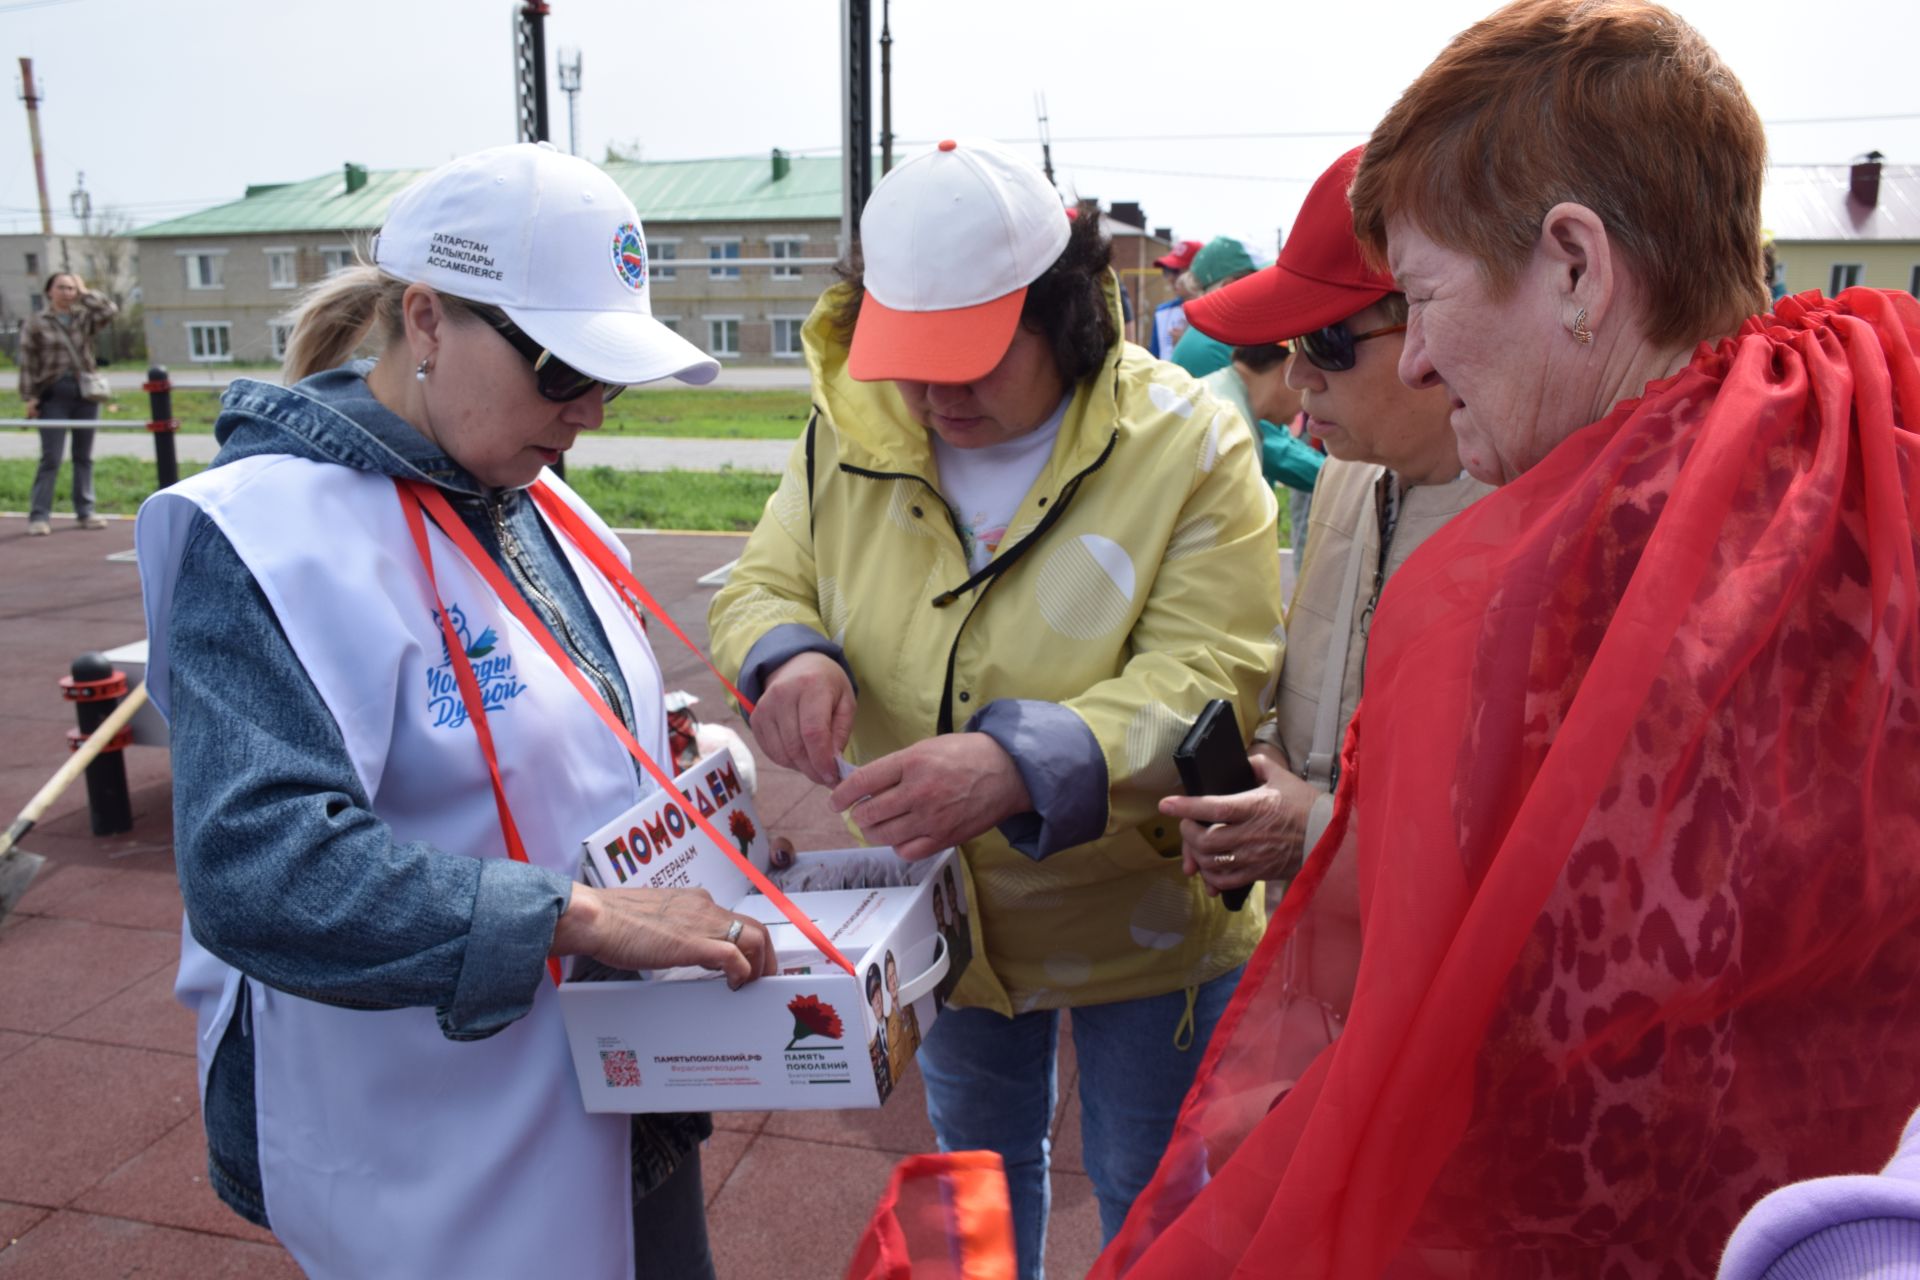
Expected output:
(730, 190)
(318, 204)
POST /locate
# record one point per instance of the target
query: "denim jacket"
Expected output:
(262, 778)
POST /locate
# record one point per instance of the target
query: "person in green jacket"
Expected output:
(1256, 384)
(1223, 260)
(1009, 563)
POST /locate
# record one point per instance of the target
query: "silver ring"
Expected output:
(1223, 859)
(733, 930)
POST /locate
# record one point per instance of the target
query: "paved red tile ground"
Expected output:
(102, 1163)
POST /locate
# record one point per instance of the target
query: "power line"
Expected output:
(1284, 134)
(1182, 173)
(1191, 137)
(1899, 115)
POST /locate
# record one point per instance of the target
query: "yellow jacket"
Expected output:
(1152, 587)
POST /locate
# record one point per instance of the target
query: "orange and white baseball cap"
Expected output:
(951, 240)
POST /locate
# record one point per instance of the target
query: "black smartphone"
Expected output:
(1212, 760)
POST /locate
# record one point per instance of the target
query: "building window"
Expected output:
(786, 247)
(210, 341)
(671, 322)
(334, 259)
(279, 334)
(39, 301)
(33, 264)
(1845, 276)
(786, 336)
(723, 335)
(205, 268)
(281, 273)
(722, 249)
(659, 253)
(1913, 282)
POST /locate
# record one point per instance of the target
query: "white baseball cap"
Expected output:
(951, 240)
(552, 241)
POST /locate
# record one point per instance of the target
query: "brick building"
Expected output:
(106, 263)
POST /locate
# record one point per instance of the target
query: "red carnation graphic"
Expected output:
(813, 1017)
(742, 827)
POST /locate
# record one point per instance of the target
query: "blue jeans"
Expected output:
(991, 1086)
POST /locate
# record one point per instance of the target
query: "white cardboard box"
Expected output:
(809, 1038)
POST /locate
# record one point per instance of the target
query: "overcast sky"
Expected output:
(173, 105)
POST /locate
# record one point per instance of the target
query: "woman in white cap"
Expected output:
(361, 624)
(1010, 563)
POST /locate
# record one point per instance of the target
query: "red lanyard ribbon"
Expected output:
(476, 704)
(420, 502)
(603, 558)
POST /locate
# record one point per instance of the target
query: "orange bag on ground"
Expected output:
(942, 1217)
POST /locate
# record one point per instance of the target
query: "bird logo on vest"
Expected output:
(492, 671)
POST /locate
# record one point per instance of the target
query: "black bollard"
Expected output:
(95, 689)
(161, 422)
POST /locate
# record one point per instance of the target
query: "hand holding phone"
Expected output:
(1212, 760)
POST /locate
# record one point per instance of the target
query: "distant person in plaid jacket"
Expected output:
(56, 347)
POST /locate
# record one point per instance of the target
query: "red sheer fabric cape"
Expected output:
(1635, 796)
(942, 1217)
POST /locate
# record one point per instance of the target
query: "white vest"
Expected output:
(385, 1148)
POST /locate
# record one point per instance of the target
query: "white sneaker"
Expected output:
(93, 522)
(38, 528)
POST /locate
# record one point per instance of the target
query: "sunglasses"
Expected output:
(554, 378)
(1332, 348)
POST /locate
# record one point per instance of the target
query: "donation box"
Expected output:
(812, 1037)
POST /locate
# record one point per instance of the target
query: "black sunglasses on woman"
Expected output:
(1332, 348)
(554, 378)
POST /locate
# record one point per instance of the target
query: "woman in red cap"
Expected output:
(1393, 481)
(1630, 796)
(1170, 317)
(1012, 561)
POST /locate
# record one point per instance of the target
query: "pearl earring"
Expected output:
(420, 371)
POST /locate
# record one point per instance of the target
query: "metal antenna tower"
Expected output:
(1046, 137)
(570, 85)
(886, 88)
(81, 202)
(530, 70)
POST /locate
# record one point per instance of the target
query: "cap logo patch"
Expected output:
(630, 256)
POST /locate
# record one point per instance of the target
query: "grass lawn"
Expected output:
(709, 415)
(713, 500)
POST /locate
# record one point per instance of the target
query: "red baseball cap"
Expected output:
(1181, 258)
(1321, 278)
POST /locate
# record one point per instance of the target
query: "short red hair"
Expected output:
(1618, 105)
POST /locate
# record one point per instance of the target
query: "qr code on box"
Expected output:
(621, 1067)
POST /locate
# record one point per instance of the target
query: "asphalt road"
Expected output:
(629, 453)
(782, 377)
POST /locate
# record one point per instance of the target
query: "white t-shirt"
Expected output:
(985, 486)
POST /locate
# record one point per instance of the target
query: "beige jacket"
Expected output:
(1347, 504)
